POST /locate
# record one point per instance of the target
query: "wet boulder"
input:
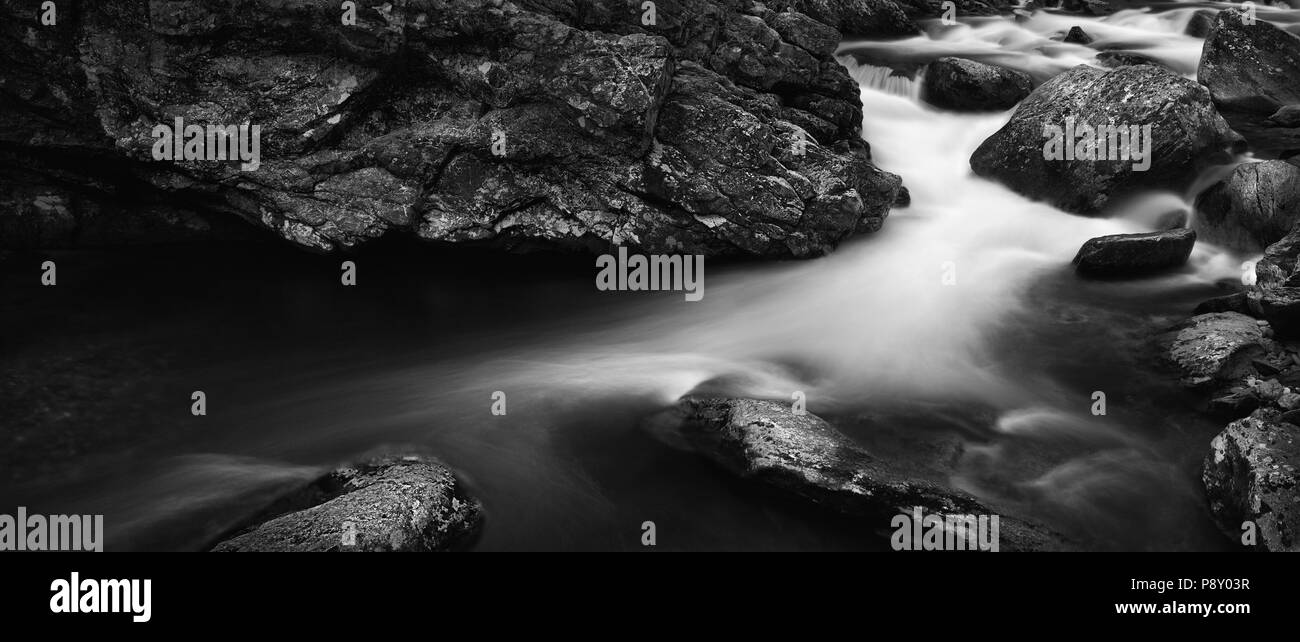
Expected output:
(1121, 255)
(409, 503)
(1065, 142)
(1215, 348)
(958, 84)
(1250, 64)
(1252, 474)
(801, 456)
(1254, 207)
(1077, 36)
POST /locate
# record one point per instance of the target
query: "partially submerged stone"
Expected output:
(407, 503)
(804, 457)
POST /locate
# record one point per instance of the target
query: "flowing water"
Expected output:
(956, 342)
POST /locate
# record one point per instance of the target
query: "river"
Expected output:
(957, 342)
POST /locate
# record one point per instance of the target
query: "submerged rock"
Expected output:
(390, 504)
(1252, 473)
(1215, 348)
(1028, 153)
(1135, 254)
(958, 84)
(723, 128)
(1250, 66)
(1254, 207)
(802, 456)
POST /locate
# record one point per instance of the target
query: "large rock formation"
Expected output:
(708, 126)
(386, 504)
(802, 456)
(1250, 64)
(1252, 208)
(1185, 132)
(1252, 474)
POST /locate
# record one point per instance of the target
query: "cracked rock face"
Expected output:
(388, 504)
(718, 127)
(1252, 473)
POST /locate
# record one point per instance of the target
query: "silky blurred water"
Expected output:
(956, 342)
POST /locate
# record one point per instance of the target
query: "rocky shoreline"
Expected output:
(1240, 350)
(718, 127)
